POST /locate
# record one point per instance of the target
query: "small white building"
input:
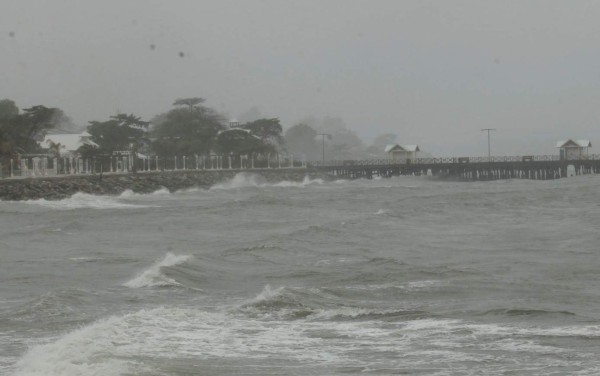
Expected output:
(573, 149)
(399, 152)
(234, 123)
(68, 142)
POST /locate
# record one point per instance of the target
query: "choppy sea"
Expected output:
(407, 275)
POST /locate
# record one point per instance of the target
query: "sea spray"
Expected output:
(154, 277)
(246, 180)
(82, 201)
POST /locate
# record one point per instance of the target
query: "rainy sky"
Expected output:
(433, 72)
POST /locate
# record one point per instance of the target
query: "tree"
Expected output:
(301, 140)
(54, 148)
(122, 132)
(192, 103)
(8, 109)
(64, 122)
(239, 141)
(38, 119)
(345, 144)
(267, 130)
(22, 131)
(186, 131)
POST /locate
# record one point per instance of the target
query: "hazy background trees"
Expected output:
(121, 132)
(20, 131)
(189, 128)
(186, 130)
(301, 140)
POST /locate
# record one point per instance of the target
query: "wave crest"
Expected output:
(154, 277)
(247, 180)
(83, 200)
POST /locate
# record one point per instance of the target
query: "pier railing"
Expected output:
(449, 160)
(44, 165)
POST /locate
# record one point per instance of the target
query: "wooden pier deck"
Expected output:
(465, 168)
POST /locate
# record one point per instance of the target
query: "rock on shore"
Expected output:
(59, 187)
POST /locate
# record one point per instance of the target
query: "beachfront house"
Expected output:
(573, 149)
(66, 143)
(402, 153)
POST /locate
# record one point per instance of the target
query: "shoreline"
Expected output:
(61, 187)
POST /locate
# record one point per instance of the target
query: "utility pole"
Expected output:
(488, 130)
(323, 139)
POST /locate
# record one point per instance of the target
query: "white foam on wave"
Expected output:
(246, 180)
(83, 352)
(240, 180)
(305, 182)
(128, 193)
(154, 277)
(83, 200)
(267, 293)
(409, 286)
(110, 346)
(85, 259)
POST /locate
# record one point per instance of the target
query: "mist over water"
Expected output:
(405, 275)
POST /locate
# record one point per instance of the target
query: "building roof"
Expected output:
(574, 144)
(391, 147)
(398, 147)
(411, 147)
(69, 142)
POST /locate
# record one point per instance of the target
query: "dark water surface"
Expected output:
(401, 276)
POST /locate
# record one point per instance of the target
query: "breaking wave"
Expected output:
(154, 276)
(245, 180)
(116, 345)
(84, 200)
(128, 193)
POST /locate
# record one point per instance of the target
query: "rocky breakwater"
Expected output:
(59, 187)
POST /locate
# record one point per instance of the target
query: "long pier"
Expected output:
(543, 167)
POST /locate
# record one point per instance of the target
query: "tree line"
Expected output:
(189, 128)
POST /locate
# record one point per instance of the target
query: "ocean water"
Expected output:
(407, 275)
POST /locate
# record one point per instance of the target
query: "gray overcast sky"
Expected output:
(433, 72)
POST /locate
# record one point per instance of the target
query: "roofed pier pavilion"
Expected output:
(481, 168)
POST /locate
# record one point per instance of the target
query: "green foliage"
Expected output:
(186, 131)
(19, 132)
(121, 132)
(301, 140)
(88, 151)
(239, 141)
(190, 102)
(267, 130)
(8, 109)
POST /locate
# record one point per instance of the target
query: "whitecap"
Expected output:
(246, 180)
(83, 200)
(154, 277)
(128, 193)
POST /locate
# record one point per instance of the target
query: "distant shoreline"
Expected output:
(60, 187)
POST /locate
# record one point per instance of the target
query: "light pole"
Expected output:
(323, 139)
(488, 130)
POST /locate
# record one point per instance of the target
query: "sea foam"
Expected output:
(83, 200)
(246, 180)
(154, 277)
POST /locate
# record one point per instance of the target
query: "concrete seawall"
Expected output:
(59, 187)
